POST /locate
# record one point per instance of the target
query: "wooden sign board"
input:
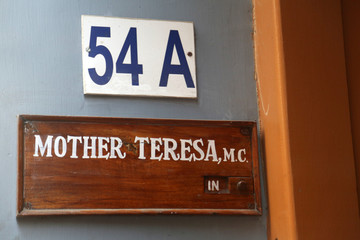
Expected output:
(91, 165)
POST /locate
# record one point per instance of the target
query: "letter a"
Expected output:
(183, 68)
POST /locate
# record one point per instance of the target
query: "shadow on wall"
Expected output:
(152, 227)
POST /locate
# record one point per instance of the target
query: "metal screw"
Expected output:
(245, 131)
(189, 54)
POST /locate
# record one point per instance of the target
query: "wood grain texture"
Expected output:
(66, 185)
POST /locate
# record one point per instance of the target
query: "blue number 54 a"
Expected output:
(134, 68)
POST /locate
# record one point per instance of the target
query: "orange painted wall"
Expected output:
(351, 23)
(305, 120)
(321, 149)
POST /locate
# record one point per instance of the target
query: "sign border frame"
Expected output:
(85, 88)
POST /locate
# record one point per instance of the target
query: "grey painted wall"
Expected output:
(41, 73)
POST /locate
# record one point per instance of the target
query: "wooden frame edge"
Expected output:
(152, 211)
(272, 103)
(20, 167)
(256, 169)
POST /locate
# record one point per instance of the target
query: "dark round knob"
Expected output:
(241, 185)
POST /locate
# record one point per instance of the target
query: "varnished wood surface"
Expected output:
(58, 186)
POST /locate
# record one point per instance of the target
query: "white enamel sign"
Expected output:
(136, 57)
